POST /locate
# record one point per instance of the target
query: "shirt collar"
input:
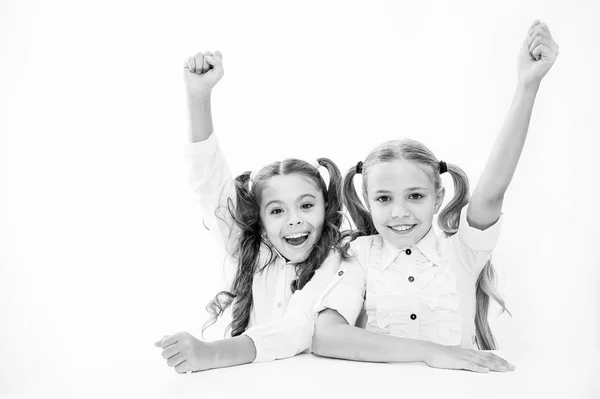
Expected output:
(427, 246)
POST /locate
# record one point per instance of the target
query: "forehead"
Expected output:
(397, 175)
(287, 188)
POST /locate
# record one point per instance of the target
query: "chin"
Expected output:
(297, 258)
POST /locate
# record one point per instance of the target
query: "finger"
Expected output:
(495, 359)
(199, 62)
(170, 340)
(157, 343)
(176, 360)
(218, 54)
(205, 66)
(191, 64)
(209, 53)
(533, 25)
(501, 362)
(541, 51)
(183, 367)
(216, 63)
(536, 42)
(491, 365)
(471, 366)
(545, 28)
(539, 33)
(170, 352)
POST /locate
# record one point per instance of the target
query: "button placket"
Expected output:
(281, 289)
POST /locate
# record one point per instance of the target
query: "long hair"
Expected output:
(448, 219)
(246, 214)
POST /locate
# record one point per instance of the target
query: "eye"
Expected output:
(276, 211)
(308, 205)
(415, 196)
(383, 198)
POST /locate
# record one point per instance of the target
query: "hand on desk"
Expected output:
(186, 353)
(454, 357)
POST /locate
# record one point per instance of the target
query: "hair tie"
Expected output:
(359, 167)
(443, 167)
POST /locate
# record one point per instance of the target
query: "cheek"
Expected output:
(317, 220)
(271, 226)
(320, 220)
(379, 214)
(427, 210)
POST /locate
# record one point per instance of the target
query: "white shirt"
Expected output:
(426, 291)
(281, 324)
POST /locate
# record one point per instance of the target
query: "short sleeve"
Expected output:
(292, 333)
(474, 246)
(211, 181)
(346, 292)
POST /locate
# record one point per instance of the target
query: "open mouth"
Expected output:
(296, 239)
(402, 228)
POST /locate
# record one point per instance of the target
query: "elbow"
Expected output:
(489, 198)
(317, 345)
(321, 340)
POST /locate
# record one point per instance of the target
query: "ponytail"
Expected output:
(246, 215)
(448, 222)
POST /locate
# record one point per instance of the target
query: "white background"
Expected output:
(102, 249)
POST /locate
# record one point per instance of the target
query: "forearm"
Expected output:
(507, 149)
(201, 126)
(233, 351)
(344, 341)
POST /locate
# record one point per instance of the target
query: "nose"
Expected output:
(400, 210)
(294, 220)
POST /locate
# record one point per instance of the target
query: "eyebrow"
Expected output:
(416, 188)
(300, 198)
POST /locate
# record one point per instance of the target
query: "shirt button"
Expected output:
(413, 316)
(340, 273)
(279, 305)
(408, 251)
(411, 279)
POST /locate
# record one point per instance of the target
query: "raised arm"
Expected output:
(201, 72)
(209, 174)
(537, 55)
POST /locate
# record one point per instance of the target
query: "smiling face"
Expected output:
(292, 212)
(402, 199)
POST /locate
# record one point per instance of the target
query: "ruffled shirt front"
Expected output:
(425, 291)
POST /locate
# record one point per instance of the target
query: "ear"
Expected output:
(439, 200)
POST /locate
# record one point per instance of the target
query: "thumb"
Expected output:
(215, 61)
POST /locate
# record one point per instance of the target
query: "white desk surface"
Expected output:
(312, 377)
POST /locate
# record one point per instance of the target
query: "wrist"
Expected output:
(429, 351)
(528, 87)
(199, 95)
(213, 355)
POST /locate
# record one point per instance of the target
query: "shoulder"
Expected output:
(362, 243)
(360, 248)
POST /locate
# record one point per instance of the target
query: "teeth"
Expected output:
(401, 228)
(297, 235)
